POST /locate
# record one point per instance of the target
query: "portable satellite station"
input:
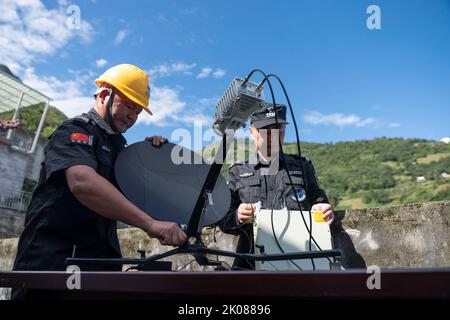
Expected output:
(150, 179)
(283, 231)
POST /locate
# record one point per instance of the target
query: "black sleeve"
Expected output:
(316, 194)
(65, 150)
(229, 223)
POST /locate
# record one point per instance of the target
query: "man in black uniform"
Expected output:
(266, 180)
(75, 206)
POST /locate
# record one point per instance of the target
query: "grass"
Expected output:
(354, 203)
(433, 157)
(392, 164)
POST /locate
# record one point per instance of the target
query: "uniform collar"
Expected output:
(94, 116)
(267, 167)
(261, 161)
(274, 163)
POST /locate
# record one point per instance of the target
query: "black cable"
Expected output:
(188, 263)
(273, 229)
(289, 175)
(299, 152)
(109, 110)
(302, 166)
(250, 240)
(237, 268)
(226, 263)
(308, 202)
(312, 239)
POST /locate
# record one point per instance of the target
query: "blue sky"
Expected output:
(345, 81)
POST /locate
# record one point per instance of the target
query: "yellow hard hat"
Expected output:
(130, 81)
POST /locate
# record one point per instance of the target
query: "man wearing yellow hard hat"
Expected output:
(76, 204)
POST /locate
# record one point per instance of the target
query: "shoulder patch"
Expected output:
(81, 138)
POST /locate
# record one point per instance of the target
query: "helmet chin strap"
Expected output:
(109, 111)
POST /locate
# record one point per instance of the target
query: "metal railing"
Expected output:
(21, 140)
(14, 199)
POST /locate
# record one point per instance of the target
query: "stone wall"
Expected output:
(390, 237)
(416, 235)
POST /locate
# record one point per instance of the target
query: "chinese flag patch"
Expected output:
(76, 137)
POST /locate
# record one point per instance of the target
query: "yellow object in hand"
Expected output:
(318, 216)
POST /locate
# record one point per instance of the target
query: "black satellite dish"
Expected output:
(157, 183)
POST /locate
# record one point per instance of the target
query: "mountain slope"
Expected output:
(377, 172)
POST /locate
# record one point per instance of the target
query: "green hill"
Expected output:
(378, 172)
(30, 117)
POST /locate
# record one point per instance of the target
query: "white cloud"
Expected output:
(30, 32)
(74, 106)
(337, 119)
(161, 17)
(120, 36)
(165, 102)
(51, 86)
(365, 122)
(170, 109)
(199, 111)
(204, 73)
(168, 106)
(188, 11)
(68, 95)
(200, 119)
(183, 67)
(169, 69)
(100, 63)
(219, 73)
(165, 70)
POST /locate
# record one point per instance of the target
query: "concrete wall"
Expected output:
(34, 164)
(401, 236)
(11, 223)
(416, 235)
(16, 165)
(12, 167)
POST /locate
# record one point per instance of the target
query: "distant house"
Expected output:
(421, 179)
(445, 175)
(446, 140)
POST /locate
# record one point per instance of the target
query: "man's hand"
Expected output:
(156, 140)
(168, 233)
(328, 213)
(245, 213)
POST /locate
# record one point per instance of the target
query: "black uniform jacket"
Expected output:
(250, 183)
(57, 225)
